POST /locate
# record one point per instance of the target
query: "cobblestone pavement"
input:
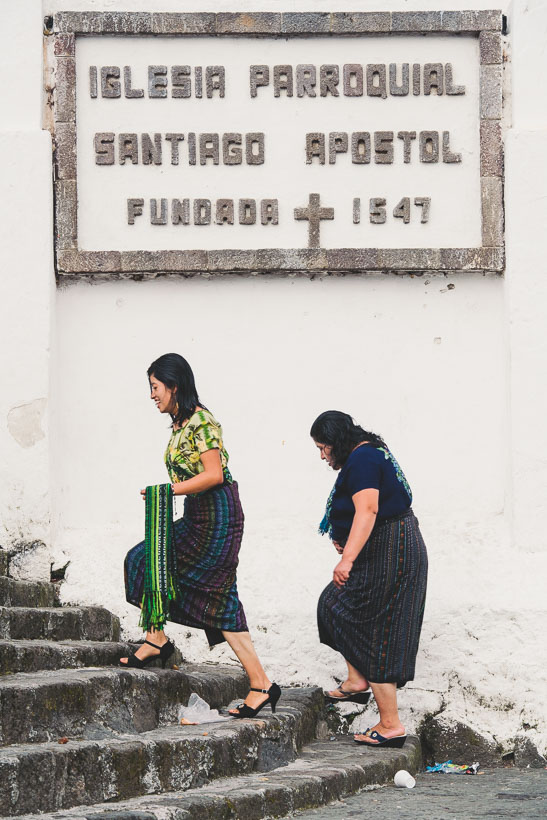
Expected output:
(497, 793)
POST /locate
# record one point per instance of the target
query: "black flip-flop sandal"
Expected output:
(351, 697)
(384, 742)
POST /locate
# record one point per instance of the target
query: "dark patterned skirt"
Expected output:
(207, 542)
(375, 620)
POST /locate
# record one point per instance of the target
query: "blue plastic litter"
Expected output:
(452, 768)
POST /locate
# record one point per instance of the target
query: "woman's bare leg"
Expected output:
(355, 682)
(243, 647)
(385, 695)
(156, 636)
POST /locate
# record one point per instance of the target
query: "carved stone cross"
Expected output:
(314, 214)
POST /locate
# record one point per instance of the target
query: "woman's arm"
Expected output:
(366, 510)
(211, 476)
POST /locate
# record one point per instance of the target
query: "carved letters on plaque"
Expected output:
(205, 211)
(205, 149)
(378, 80)
(177, 81)
(378, 146)
(354, 80)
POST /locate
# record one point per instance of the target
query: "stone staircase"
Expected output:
(79, 738)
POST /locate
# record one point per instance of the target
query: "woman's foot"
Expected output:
(254, 699)
(387, 732)
(353, 686)
(145, 650)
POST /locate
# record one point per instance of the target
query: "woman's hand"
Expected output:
(338, 547)
(143, 492)
(341, 572)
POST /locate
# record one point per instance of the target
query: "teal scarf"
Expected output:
(160, 572)
(325, 527)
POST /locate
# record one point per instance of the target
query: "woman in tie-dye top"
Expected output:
(207, 538)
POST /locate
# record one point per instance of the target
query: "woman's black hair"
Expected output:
(339, 431)
(175, 372)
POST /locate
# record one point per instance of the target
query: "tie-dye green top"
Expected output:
(201, 432)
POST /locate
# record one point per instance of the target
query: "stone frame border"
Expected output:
(70, 261)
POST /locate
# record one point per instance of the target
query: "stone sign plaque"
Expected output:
(278, 142)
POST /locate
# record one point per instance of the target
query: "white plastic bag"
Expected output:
(198, 711)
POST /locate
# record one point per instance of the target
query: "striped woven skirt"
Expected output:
(375, 620)
(207, 541)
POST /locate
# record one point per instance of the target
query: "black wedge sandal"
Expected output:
(244, 711)
(396, 742)
(165, 653)
(353, 697)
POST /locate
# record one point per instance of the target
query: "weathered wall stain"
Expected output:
(25, 422)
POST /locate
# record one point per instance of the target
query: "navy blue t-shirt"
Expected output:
(367, 468)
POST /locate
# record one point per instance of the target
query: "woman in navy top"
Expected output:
(372, 611)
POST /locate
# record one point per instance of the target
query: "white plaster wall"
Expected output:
(426, 365)
(26, 261)
(526, 287)
(421, 363)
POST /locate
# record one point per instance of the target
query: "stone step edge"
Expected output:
(70, 619)
(326, 771)
(34, 656)
(35, 680)
(56, 609)
(81, 702)
(42, 655)
(53, 776)
(44, 643)
(13, 592)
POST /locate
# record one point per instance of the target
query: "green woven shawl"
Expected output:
(160, 574)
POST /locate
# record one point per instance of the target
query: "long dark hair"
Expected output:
(175, 372)
(339, 431)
